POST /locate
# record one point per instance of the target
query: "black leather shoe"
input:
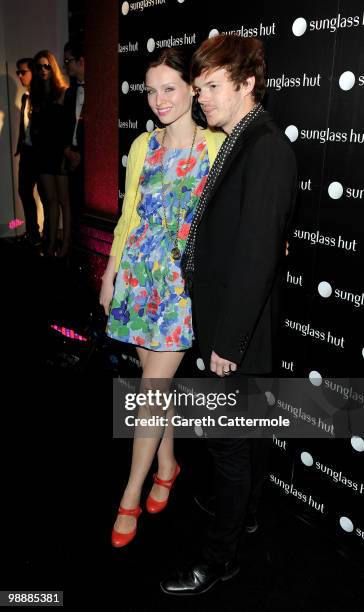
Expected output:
(199, 578)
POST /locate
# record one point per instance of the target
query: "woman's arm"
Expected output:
(107, 287)
(133, 170)
(129, 218)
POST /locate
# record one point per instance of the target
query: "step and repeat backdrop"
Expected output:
(315, 59)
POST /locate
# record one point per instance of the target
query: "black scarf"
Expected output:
(188, 258)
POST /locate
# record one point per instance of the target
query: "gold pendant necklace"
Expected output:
(175, 251)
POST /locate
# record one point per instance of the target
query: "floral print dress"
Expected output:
(150, 307)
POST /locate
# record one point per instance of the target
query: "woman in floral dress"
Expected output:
(147, 304)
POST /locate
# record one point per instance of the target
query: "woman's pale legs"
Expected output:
(161, 365)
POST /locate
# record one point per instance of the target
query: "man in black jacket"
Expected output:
(28, 168)
(232, 262)
(74, 106)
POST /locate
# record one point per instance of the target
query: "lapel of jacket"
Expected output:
(21, 124)
(239, 145)
(74, 102)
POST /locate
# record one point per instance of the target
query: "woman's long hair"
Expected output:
(39, 93)
(177, 59)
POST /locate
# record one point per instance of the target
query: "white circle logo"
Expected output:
(125, 87)
(124, 160)
(271, 400)
(150, 125)
(307, 459)
(151, 45)
(324, 289)
(200, 364)
(213, 33)
(335, 190)
(346, 524)
(315, 378)
(291, 132)
(299, 26)
(125, 8)
(357, 443)
(347, 80)
(180, 1)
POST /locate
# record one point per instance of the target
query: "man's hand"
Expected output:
(221, 366)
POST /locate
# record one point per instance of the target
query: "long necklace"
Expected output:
(175, 251)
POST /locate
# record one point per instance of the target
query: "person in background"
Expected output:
(74, 105)
(48, 90)
(28, 166)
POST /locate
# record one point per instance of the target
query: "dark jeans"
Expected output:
(28, 177)
(240, 467)
(260, 450)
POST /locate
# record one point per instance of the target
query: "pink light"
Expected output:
(15, 223)
(69, 333)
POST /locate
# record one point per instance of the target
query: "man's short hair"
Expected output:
(76, 48)
(26, 60)
(241, 57)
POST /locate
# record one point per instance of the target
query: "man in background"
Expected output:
(28, 167)
(74, 104)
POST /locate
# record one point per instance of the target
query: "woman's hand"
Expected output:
(73, 158)
(107, 287)
(106, 293)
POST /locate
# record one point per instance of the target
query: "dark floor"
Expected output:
(62, 475)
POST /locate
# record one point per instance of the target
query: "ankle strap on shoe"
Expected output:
(166, 483)
(130, 511)
(163, 483)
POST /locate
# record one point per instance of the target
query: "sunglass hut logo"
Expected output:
(300, 25)
(185, 39)
(336, 23)
(140, 6)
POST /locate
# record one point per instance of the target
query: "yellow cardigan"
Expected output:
(130, 219)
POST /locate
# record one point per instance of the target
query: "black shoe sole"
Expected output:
(222, 579)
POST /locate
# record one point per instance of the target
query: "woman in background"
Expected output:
(47, 98)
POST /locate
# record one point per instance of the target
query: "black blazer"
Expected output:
(21, 124)
(240, 249)
(70, 120)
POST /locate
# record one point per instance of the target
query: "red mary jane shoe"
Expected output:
(153, 505)
(122, 539)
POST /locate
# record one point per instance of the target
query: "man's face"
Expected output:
(24, 74)
(71, 65)
(223, 104)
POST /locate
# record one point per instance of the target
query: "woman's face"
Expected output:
(169, 96)
(44, 68)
